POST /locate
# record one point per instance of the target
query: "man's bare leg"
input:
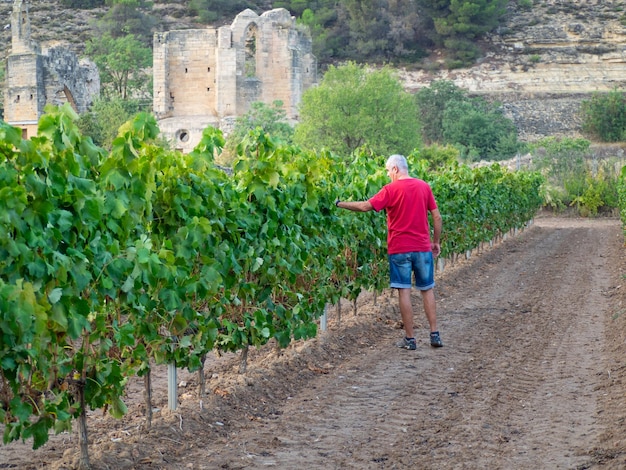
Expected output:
(430, 308)
(406, 311)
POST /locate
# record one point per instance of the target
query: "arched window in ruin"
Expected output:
(250, 47)
(70, 98)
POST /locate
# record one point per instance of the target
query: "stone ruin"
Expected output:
(539, 72)
(209, 77)
(202, 77)
(35, 79)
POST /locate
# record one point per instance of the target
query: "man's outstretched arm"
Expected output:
(356, 206)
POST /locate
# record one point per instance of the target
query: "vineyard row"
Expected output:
(111, 261)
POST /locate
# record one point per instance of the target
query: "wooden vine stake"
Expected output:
(172, 387)
(83, 442)
(243, 364)
(147, 397)
(324, 319)
(201, 377)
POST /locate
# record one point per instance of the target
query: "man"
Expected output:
(408, 201)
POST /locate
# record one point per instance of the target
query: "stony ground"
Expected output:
(532, 376)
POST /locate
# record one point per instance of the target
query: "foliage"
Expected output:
(122, 63)
(477, 128)
(590, 199)
(604, 116)
(272, 120)
(432, 102)
(82, 4)
(321, 18)
(379, 31)
(211, 11)
(128, 17)
(458, 23)
(364, 31)
(113, 261)
(105, 117)
(480, 131)
(354, 107)
(482, 203)
(558, 158)
(574, 177)
(621, 191)
(438, 156)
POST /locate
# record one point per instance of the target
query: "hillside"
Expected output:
(53, 25)
(544, 61)
(541, 63)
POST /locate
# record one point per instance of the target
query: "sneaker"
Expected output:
(408, 343)
(435, 340)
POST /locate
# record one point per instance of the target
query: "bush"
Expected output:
(477, 128)
(576, 178)
(437, 156)
(82, 4)
(604, 116)
(104, 119)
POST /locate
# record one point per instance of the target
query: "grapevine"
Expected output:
(113, 261)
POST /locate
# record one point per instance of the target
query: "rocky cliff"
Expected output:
(545, 60)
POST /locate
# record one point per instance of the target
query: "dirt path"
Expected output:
(531, 377)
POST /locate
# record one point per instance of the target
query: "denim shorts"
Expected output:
(420, 263)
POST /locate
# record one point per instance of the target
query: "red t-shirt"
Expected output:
(407, 202)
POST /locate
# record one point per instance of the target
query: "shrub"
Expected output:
(604, 116)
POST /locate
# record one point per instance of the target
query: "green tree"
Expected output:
(271, 119)
(380, 30)
(82, 4)
(354, 107)
(477, 128)
(122, 63)
(105, 117)
(432, 102)
(368, 25)
(327, 42)
(211, 11)
(458, 23)
(604, 116)
(438, 156)
(373, 31)
(127, 17)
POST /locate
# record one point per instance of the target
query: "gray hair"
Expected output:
(398, 161)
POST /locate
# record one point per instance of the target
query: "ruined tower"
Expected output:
(35, 79)
(209, 77)
(23, 101)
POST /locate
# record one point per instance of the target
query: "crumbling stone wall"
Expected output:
(211, 76)
(68, 79)
(35, 78)
(537, 116)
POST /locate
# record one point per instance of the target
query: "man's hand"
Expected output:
(436, 249)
